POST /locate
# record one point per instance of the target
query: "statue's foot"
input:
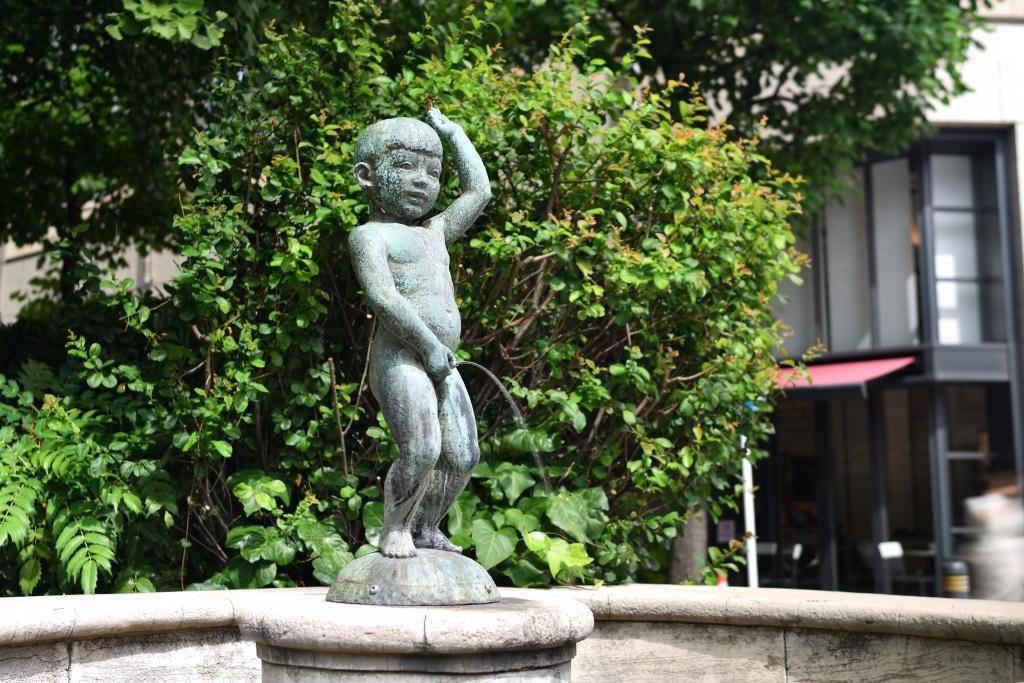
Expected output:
(436, 540)
(397, 544)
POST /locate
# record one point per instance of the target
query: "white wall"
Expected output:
(993, 72)
(1005, 9)
(19, 266)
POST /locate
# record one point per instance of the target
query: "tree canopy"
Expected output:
(220, 432)
(831, 80)
(98, 96)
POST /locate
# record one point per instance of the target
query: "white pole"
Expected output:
(748, 518)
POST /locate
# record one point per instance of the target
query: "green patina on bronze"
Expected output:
(403, 267)
(432, 577)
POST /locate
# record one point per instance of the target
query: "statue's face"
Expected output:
(407, 183)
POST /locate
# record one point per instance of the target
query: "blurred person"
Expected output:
(997, 556)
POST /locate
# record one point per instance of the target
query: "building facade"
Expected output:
(916, 407)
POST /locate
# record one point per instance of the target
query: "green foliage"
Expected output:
(72, 495)
(620, 282)
(84, 124)
(181, 20)
(833, 79)
(720, 562)
(97, 98)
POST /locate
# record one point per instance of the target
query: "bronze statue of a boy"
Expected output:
(402, 266)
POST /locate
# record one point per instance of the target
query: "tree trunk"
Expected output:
(69, 260)
(688, 549)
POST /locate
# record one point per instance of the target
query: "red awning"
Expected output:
(850, 374)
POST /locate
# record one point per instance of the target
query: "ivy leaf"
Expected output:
(568, 512)
(242, 574)
(248, 540)
(514, 479)
(525, 574)
(257, 491)
(492, 545)
(373, 521)
(595, 504)
(222, 447)
(563, 555)
(537, 541)
(133, 582)
(331, 550)
(266, 543)
(279, 551)
(327, 567)
(574, 415)
(523, 523)
(364, 550)
(144, 585)
(460, 516)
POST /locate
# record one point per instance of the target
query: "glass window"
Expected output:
(988, 521)
(895, 264)
(798, 309)
(951, 180)
(967, 261)
(871, 240)
(848, 435)
(967, 425)
(908, 469)
(959, 312)
(980, 441)
(846, 254)
(956, 240)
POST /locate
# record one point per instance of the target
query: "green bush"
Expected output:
(620, 282)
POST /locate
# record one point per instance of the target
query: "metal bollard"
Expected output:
(956, 579)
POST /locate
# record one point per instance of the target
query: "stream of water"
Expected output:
(520, 420)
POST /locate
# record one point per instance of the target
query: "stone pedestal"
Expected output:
(301, 637)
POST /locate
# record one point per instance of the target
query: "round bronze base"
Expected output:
(432, 577)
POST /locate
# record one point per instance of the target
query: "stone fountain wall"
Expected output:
(642, 633)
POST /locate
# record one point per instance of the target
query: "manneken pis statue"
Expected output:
(402, 265)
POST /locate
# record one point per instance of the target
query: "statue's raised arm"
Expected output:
(476, 187)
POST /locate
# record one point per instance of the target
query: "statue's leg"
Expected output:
(460, 452)
(409, 402)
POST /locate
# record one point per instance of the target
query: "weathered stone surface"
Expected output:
(517, 639)
(73, 617)
(642, 652)
(667, 623)
(273, 673)
(544, 665)
(35, 663)
(866, 658)
(303, 620)
(432, 577)
(199, 656)
(979, 620)
(467, 663)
